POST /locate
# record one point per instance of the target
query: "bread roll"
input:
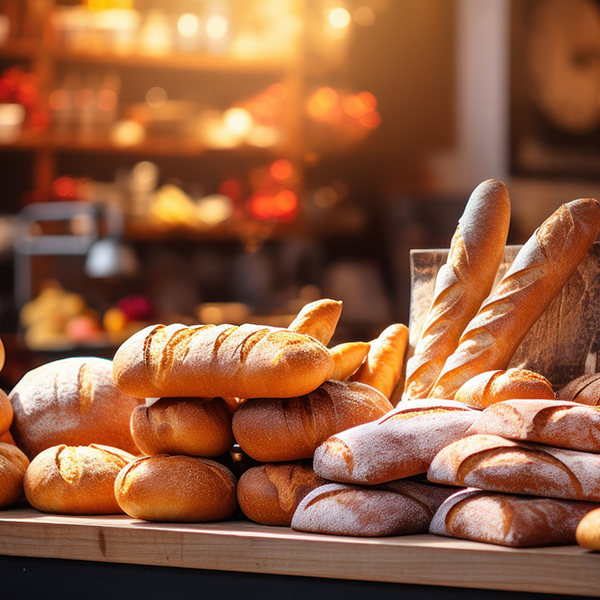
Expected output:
(587, 533)
(563, 424)
(507, 520)
(383, 367)
(75, 480)
(176, 488)
(491, 387)
(347, 358)
(13, 464)
(583, 390)
(318, 319)
(462, 284)
(211, 361)
(193, 426)
(7, 438)
(401, 507)
(284, 429)
(6, 412)
(269, 494)
(538, 272)
(400, 444)
(71, 401)
(496, 464)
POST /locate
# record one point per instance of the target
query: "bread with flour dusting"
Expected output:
(207, 361)
(400, 444)
(583, 390)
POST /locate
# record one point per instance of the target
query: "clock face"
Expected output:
(562, 55)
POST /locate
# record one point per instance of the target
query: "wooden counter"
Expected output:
(242, 546)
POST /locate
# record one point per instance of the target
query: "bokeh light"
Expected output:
(339, 18)
(188, 25)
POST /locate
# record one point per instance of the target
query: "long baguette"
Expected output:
(462, 284)
(537, 274)
(207, 361)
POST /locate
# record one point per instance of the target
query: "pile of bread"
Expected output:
(211, 422)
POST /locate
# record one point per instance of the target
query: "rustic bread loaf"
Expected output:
(490, 387)
(400, 444)
(269, 494)
(13, 464)
(176, 488)
(76, 480)
(584, 390)
(285, 429)
(587, 533)
(7, 438)
(347, 358)
(563, 424)
(71, 401)
(193, 426)
(401, 507)
(318, 319)
(462, 284)
(537, 274)
(207, 361)
(509, 520)
(6, 412)
(496, 464)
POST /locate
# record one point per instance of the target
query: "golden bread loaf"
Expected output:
(176, 488)
(348, 357)
(537, 274)
(584, 390)
(207, 361)
(318, 319)
(269, 494)
(507, 520)
(6, 412)
(587, 533)
(462, 284)
(192, 426)
(75, 480)
(491, 387)
(285, 429)
(13, 464)
(71, 401)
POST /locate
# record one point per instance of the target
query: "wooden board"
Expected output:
(248, 547)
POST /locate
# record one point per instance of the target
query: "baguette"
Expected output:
(348, 357)
(496, 464)
(562, 424)
(285, 429)
(583, 390)
(462, 284)
(401, 507)
(207, 361)
(587, 533)
(538, 272)
(318, 319)
(400, 444)
(13, 465)
(507, 520)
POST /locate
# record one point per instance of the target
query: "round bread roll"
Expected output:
(13, 464)
(269, 494)
(6, 412)
(584, 390)
(192, 426)
(71, 401)
(587, 533)
(286, 429)
(491, 387)
(75, 480)
(2, 355)
(176, 488)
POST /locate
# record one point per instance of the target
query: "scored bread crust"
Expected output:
(220, 360)
(537, 274)
(462, 284)
(284, 429)
(13, 465)
(584, 390)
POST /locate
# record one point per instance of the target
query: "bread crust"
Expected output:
(13, 465)
(583, 390)
(348, 357)
(286, 429)
(6, 412)
(587, 533)
(207, 361)
(318, 319)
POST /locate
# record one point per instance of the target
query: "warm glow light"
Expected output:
(339, 18)
(216, 27)
(326, 96)
(156, 97)
(188, 25)
(58, 100)
(282, 206)
(371, 119)
(238, 121)
(127, 133)
(364, 16)
(64, 188)
(281, 169)
(107, 100)
(368, 100)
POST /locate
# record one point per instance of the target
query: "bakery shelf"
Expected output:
(243, 546)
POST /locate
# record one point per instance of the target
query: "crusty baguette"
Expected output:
(587, 533)
(462, 284)
(537, 274)
(192, 426)
(269, 494)
(207, 361)
(176, 488)
(400, 507)
(497, 464)
(284, 429)
(348, 357)
(75, 479)
(584, 390)
(491, 387)
(6, 412)
(507, 520)
(383, 366)
(563, 424)
(318, 319)
(400, 444)
(13, 465)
